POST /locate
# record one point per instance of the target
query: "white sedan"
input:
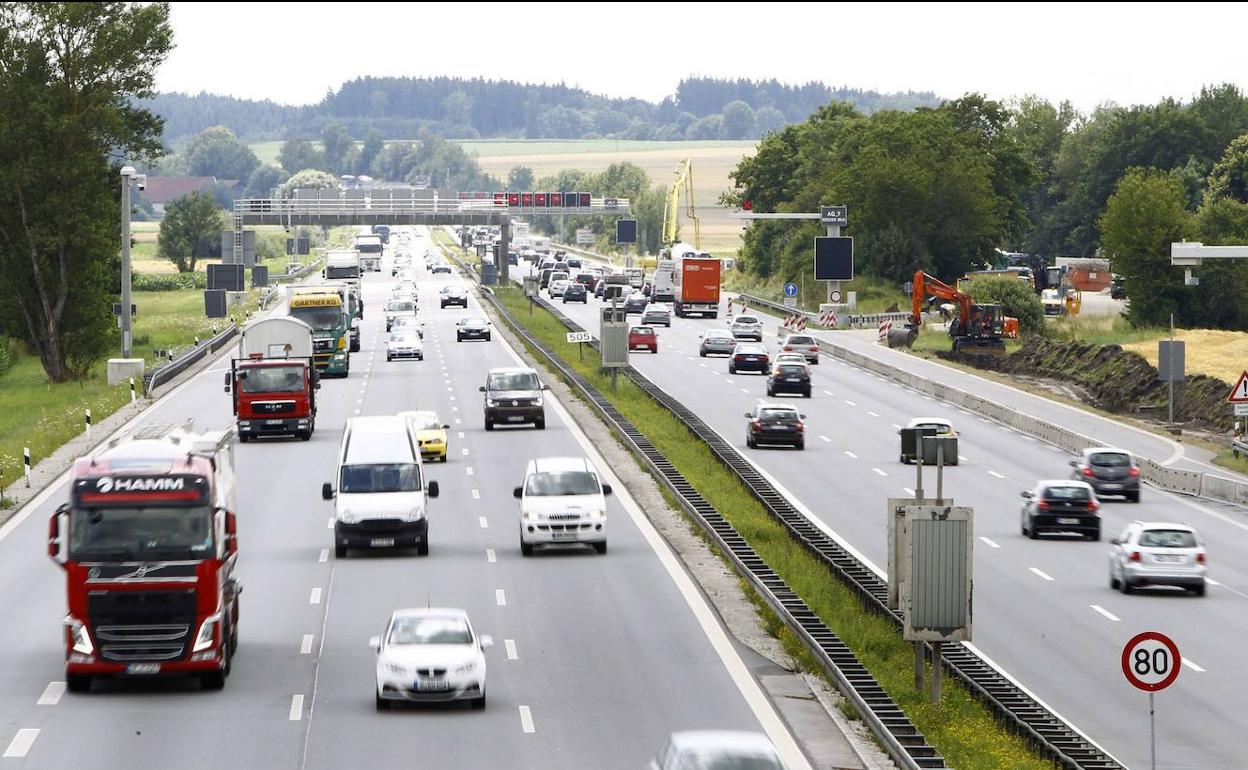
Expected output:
(405, 344)
(430, 655)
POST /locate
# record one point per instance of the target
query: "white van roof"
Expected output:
(378, 439)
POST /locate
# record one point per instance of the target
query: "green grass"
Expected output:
(1110, 329)
(960, 727)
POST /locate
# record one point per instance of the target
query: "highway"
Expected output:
(1044, 611)
(597, 658)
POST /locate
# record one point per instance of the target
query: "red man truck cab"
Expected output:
(148, 544)
(274, 379)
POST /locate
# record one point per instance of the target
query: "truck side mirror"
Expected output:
(433, 489)
(231, 533)
(327, 491)
(58, 528)
(228, 376)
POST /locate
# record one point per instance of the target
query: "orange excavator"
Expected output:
(978, 329)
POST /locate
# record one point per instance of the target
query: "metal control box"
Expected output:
(936, 593)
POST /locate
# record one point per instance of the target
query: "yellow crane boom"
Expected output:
(671, 209)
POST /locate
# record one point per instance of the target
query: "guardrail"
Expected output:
(161, 375)
(1027, 716)
(846, 320)
(345, 206)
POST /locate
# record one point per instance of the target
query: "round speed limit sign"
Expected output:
(1151, 661)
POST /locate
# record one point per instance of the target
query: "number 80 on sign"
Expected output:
(1151, 661)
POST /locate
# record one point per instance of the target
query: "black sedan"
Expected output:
(472, 329)
(789, 378)
(453, 295)
(1057, 505)
(635, 304)
(749, 357)
(775, 424)
(575, 292)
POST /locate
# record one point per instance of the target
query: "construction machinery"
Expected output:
(671, 209)
(976, 329)
(1061, 298)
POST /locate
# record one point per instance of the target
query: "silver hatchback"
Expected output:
(747, 327)
(803, 344)
(1157, 554)
(717, 341)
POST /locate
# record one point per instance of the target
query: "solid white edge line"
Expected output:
(526, 720)
(510, 644)
(500, 597)
(21, 743)
(51, 694)
(1041, 574)
(305, 647)
(296, 708)
(1106, 613)
(760, 704)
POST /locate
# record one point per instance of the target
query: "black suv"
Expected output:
(775, 424)
(789, 378)
(513, 396)
(575, 293)
(1110, 472)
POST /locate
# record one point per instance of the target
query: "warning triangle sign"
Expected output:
(1239, 393)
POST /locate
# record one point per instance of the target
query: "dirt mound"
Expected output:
(1115, 380)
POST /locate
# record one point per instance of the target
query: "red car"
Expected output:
(643, 338)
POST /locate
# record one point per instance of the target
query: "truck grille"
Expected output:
(380, 525)
(135, 626)
(273, 407)
(323, 345)
(564, 516)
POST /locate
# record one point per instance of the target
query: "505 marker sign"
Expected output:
(580, 337)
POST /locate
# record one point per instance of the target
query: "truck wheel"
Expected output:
(214, 680)
(78, 682)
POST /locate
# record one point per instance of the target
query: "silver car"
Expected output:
(747, 327)
(804, 344)
(1157, 554)
(717, 341)
(657, 314)
(716, 750)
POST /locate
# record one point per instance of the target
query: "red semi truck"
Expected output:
(274, 379)
(697, 285)
(148, 544)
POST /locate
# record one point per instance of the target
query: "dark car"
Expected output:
(513, 258)
(1061, 506)
(599, 287)
(775, 424)
(749, 357)
(453, 295)
(635, 304)
(575, 292)
(643, 338)
(1109, 471)
(574, 262)
(544, 279)
(1117, 287)
(789, 378)
(513, 396)
(586, 279)
(472, 329)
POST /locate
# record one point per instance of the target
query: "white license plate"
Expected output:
(143, 668)
(1168, 558)
(272, 422)
(564, 535)
(792, 379)
(1067, 521)
(382, 542)
(516, 418)
(431, 685)
(1112, 486)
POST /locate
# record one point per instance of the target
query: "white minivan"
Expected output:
(562, 501)
(382, 494)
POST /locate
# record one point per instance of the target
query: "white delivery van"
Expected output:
(562, 502)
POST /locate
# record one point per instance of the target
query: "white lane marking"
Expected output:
(702, 365)
(873, 414)
(908, 491)
(51, 694)
(450, 390)
(464, 451)
(305, 647)
(296, 708)
(455, 409)
(691, 358)
(989, 542)
(1106, 613)
(461, 434)
(1193, 666)
(526, 720)
(1212, 582)
(851, 403)
(825, 438)
(490, 556)
(895, 425)
(1040, 573)
(962, 458)
(457, 422)
(22, 742)
(331, 522)
(469, 469)
(851, 455)
(877, 470)
(452, 398)
(324, 556)
(500, 597)
(316, 596)
(715, 373)
(745, 390)
(510, 644)
(828, 393)
(994, 473)
(476, 494)
(485, 523)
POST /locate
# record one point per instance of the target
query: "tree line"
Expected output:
(458, 108)
(943, 188)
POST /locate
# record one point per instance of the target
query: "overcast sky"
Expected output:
(1088, 53)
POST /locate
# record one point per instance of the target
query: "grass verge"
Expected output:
(965, 731)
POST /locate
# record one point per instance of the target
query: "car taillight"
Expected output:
(1200, 558)
(788, 348)
(1135, 556)
(1088, 472)
(801, 427)
(1133, 472)
(1093, 505)
(1043, 505)
(758, 424)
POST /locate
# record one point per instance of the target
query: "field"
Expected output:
(1215, 353)
(711, 163)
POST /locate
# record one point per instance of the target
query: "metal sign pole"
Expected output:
(1170, 384)
(936, 648)
(1152, 731)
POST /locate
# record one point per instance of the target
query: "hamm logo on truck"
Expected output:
(108, 484)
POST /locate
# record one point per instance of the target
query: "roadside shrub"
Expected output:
(1017, 297)
(168, 281)
(6, 354)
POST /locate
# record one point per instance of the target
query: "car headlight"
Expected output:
(599, 514)
(346, 517)
(466, 668)
(491, 402)
(537, 401)
(416, 513)
(79, 637)
(206, 633)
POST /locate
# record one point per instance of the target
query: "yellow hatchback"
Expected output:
(430, 432)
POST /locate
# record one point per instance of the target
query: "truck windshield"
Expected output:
(140, 534)
(391, 477)
(350, 271)
(273, 379)
(321, 319)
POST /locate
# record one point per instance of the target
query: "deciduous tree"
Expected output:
(188, 221)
